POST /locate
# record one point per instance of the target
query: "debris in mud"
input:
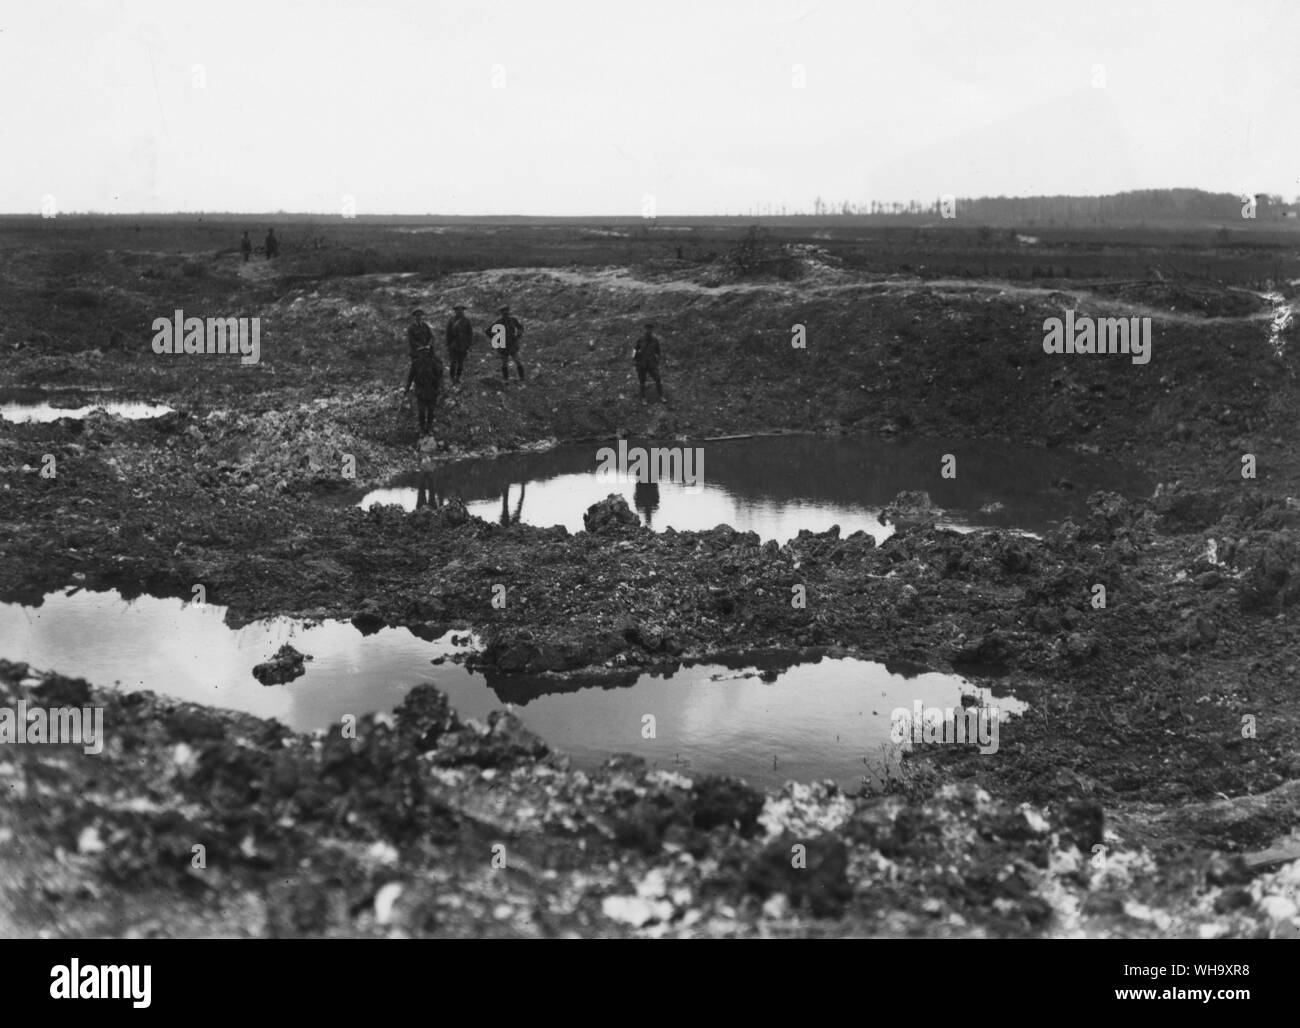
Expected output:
(284, 666)
(611, 514)
(910, 509)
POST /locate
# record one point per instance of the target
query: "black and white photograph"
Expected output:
(775, 470)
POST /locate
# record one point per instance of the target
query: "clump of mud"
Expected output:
(286, 665)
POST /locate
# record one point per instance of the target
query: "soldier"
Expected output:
(645, 357)
(460, 333)
(418, 332)
(505, 334)
(426, 376)
(246, 246)
(272, 244)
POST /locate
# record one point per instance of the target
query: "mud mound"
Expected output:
(298, 446)
(611, 514)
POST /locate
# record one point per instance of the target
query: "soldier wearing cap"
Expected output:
(645, 358)
(426, 376)
(460, 334)
(505, 335)
(418, 332)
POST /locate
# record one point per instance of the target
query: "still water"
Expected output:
(777, 485)
(829, 719)
(42, 412)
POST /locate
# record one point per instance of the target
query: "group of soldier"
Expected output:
(272, 245)
(505, 336)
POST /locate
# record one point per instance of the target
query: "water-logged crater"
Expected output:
(44, 412)
(777, 485)
(829, 719)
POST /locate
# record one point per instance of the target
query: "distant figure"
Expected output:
(645, 497)
(272, 244)
(246, 246)
(426, 376)
(679, 253)
(460, 334)
(645, 358)
(510, 330)
(418, 332)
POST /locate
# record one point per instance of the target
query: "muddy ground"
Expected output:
(1134, 740)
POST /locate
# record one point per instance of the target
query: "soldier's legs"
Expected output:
(654, 372)
(519, 367)
(640, 377)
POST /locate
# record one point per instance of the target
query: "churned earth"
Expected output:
(1150, 789)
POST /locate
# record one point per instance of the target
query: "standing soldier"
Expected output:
(460, 333)
(272, 244)
(246, 246)
(426, 376)
(645, 357)
(505, 335)
(418, 332)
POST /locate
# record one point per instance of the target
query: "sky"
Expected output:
(610, 108)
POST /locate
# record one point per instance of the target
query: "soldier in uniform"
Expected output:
(272, 244)
(426, 376)
(246, 246)
(460, 333)
(645, 358)
(505, 334)
(418, 332)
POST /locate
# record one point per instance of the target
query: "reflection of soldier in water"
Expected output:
(645, 498)
(426, 494)
(507, 518)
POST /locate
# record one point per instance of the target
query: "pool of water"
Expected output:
(777, 485)
(829, 719)
(42, 412)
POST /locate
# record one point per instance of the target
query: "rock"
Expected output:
(506, 744)
(909, 505)
(822, 885)
(424, 715)
(1273, 580)
(721, 800)
(284, 666)
(454, 512)
(610, 515)
(1080, 645)
(369, 619)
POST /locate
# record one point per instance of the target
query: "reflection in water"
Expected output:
(507, 519)
(426, 491)
(776, 486)
(829, 719)
(43, 412)
(645, 497)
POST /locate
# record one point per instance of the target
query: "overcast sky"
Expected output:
(566, 107)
